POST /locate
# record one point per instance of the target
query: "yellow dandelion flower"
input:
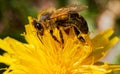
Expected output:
(47, 56)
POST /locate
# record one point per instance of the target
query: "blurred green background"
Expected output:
(100, 15)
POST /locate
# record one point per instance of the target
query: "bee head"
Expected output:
(39, 27)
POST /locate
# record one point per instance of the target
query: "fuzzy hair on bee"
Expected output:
(65, 17)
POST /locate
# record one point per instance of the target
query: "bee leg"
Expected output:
(76, 30)
(54, 37)
(77, 34)
(39, 37)
(61, 36)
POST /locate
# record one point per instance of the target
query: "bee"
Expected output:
(66, 17)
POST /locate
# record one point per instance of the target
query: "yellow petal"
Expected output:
(44, 55)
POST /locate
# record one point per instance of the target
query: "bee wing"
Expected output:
(76, 8)
(65, 10)
(59, 12)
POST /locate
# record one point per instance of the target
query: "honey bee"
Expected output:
(66, 17)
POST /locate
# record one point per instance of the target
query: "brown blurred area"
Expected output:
(110, 16)
(13, 17)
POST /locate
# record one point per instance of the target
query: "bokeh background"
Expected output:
(100, 15)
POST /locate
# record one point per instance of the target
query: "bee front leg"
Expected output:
(39, 37)
(54, 37)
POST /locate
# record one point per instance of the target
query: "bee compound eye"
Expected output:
(39, 26)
